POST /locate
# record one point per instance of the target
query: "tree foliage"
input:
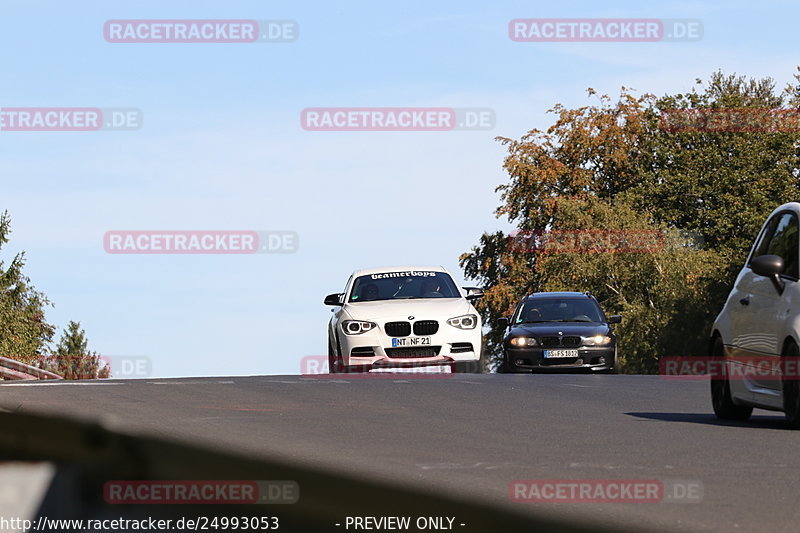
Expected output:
(72, 359)
(24, 333)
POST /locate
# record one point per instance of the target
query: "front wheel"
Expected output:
(466, 367)
(791, 389)
(721, 397)
(335, 365)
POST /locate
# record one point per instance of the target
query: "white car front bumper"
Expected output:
(376, 348)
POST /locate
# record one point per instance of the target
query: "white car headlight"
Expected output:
(357, 327)
(596, 340)
(523, 341)
(464, 321)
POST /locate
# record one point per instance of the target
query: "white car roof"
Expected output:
(406, 268)
(791, 206)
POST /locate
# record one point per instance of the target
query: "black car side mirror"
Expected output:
(473, 293)
(502, 322)
(334, 299)
(769, 266)
(614, 319)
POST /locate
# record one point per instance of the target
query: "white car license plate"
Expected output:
(410, 341)
(552, 354)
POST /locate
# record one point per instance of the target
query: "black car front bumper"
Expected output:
(529, 359)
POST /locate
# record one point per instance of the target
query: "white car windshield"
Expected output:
(405, 285)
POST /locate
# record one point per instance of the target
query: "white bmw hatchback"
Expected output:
(401, 317)
(757, 333)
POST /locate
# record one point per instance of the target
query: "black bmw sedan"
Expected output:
(559, 332)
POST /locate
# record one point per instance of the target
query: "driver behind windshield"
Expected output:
(533, 315)
(369, 292)
(430, 289)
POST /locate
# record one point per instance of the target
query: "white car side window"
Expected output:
(784, 243)
(763, 241)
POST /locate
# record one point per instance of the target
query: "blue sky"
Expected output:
(222, 148)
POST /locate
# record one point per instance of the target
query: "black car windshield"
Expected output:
(558, 310)
(405, 285)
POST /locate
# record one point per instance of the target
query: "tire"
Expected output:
(335, 365)
(721, 398)
(468, 367)
(506, 367)
(791, 391)
(465, 367)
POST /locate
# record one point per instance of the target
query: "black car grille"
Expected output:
(426, 327)
(460, 347)
(367, 351)
(397, 329)
(560, 342)
(400, 353)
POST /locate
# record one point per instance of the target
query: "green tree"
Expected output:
(24, 333)
(722, 184)
(614, 165)
(72, 359)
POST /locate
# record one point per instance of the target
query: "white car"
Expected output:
(757, 334)
(404, 316)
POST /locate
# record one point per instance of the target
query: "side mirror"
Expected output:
(614, 319)
(769, 266)
(473, 293)
(334, 299)
(503, 322)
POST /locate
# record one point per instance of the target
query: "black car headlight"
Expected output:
(357, 327)
(522, 341)
(464, 321)
(596, 340)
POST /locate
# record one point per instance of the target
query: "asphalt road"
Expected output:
(474, 435)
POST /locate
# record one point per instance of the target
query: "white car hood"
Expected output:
(421, 309)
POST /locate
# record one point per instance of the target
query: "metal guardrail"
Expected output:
(10, 369)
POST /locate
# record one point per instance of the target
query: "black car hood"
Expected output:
(539, 329)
